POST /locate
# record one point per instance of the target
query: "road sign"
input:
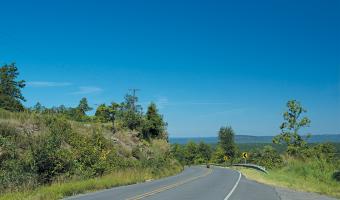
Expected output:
(225, 158)
(244, 155)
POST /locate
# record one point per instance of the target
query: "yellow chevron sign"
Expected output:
(225, 158)
(244, 155)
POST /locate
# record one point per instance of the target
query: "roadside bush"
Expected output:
(93, 155)
(325, 151)
(15, 168)
(190, 152)
(267, 157)
(177, 151)
(336, 176)
(218, 155)
(15, 172)
(39, 149)
(51, 157)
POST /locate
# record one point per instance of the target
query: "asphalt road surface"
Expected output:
(194, 183)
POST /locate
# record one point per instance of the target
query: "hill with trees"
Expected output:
(50, 153)
(43, 148)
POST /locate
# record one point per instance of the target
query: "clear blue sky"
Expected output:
(205, 63)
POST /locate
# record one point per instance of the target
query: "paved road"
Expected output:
(197, 183)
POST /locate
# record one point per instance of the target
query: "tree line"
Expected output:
(40, 145)
(125, 115)
(227, 152)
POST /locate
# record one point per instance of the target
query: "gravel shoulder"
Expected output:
(287, 194)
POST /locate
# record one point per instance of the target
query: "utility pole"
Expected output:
(133, 91)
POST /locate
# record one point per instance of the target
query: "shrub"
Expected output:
(177, 152)
(325, 151)
(15, 167)
(38, 149)
(336, 176)
(218, 155)
(267, 157)
(50, 159)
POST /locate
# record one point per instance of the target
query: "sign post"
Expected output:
(225, 158)
(245, 156)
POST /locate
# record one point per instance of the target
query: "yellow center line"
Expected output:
(168, 187)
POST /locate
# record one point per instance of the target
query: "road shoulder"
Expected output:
(287, 194)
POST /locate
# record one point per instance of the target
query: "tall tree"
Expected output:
(191, 152)
(226, 141)
(293, 122)
(103, 113)
(179, 153)
(131, 103)
(218, 155)
(79, 113)
(38, 108)
(204, 151)
(131, 113)
(10, 88)
(154, 125)
(113, 111)
(83, 106)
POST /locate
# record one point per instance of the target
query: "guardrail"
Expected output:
(257, 167)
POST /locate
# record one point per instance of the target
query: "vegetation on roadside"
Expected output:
(116, 178)
(49, 153)
(303, 167)
(290, 160)
(312, 175)
(203, 153)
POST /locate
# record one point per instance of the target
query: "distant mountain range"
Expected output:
(241, 139)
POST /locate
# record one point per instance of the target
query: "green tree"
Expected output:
(179, 153)
(325, 151)
(226, 141)
(130, 113)
(79, 112)
(191, 152)
(83, 106)
(103, 113)
(218, 155)
(267, 157)
(38, 108)
(204, 151)
(130, 103)
(293, 122)
(154, 126)
(50, 158)
(10, 89)
(113, 111)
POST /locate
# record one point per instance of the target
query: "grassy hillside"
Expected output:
(45, 156)
(313, 175)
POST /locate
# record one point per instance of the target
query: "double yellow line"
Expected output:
(168, 187)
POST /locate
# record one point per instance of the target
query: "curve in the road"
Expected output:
(197, 183)
(235, 186)
(168, 187)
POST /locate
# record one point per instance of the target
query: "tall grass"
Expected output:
(312, 175)
(116, 178)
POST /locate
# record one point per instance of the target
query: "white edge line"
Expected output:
(235, 186)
